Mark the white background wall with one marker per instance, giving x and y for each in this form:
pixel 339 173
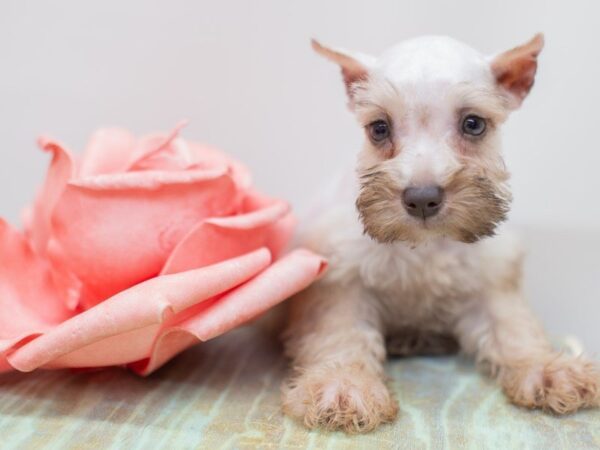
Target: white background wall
pixel 243 73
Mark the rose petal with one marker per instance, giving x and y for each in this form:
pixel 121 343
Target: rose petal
pixel 108 151
pixel 281 232
pixel 118 230
pixel 70 287
pixel 282 279
pixel 173 157
pixel 29 300
pixel 59 172
pixel 161 152
pixel 37 219
pixel 122 328
pixel 217 239
pixel 291 274
pixel 205 156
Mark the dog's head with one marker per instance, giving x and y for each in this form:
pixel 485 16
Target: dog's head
pixel 431 109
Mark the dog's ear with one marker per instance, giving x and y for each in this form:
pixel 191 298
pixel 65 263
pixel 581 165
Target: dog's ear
pixel 355 67
pixel 515 69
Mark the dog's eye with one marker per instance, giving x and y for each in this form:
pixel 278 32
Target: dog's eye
pixel 473 125
pixel 378 131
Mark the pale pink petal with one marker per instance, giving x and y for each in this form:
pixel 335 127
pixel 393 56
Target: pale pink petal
pixel 291 274
pixel 60 171
pixel 161 152
pixel 118 230
pixel 69 285
pixel 30 302
pixel 122 328
pixel 217 239
pixel 281 235
pixel 282 231
pixel 116 350
pixel 205 156
pixel 108 151
pixel 172 341
pixel 173 157
pixel 37 219
pixel 27 219
pixel 255 200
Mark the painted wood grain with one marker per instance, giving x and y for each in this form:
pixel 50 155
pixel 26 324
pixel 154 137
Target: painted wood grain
pixel 225 394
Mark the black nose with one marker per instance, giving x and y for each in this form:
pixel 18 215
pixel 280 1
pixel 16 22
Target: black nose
pixel 424 201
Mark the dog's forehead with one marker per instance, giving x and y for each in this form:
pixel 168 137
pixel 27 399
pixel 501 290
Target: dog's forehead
pixel 434 59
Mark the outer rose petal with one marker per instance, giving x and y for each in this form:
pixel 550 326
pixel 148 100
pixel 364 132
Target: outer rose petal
pixel 118 230
pixel 59 173
pixel 291 274
pixel 217 239
pixel 30 302
pixel 122 328
pixel 108 151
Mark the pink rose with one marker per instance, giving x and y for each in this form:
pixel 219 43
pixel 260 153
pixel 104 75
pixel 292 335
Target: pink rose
pixel 140 249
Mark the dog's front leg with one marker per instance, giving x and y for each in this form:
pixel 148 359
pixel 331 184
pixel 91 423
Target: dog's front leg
pixel 337 347
pixel 508 340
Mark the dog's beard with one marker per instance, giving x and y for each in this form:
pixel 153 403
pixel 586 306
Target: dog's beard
pixel 475 206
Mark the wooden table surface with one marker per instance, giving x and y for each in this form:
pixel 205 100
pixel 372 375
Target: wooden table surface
pixel 225 394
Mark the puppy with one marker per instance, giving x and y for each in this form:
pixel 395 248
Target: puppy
pixel 418 262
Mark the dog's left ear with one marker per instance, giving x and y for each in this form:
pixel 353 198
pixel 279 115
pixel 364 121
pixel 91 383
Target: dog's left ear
pixel 354 66
pixel 515 69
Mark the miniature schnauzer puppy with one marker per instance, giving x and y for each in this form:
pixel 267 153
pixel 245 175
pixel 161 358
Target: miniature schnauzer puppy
pixel 418 263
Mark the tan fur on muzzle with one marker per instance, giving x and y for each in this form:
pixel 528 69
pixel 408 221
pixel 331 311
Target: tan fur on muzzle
pixel 474 207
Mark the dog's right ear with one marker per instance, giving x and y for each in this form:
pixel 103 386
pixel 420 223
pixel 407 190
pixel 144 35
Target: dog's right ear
pixel 355 67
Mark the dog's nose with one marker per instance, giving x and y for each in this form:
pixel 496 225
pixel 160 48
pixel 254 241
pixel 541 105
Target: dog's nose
pixel 423 201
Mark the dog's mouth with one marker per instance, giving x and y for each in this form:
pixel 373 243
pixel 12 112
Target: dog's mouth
pixel 471 211
pixel 417 231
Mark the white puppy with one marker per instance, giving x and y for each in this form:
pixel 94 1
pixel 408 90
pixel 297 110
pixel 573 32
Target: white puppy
pixel 417 263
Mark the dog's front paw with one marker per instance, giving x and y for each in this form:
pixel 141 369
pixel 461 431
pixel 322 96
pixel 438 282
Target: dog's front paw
pixel 349 398
pixel 562 384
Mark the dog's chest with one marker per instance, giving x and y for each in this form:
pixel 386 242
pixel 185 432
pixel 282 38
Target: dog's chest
pixel 424 286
